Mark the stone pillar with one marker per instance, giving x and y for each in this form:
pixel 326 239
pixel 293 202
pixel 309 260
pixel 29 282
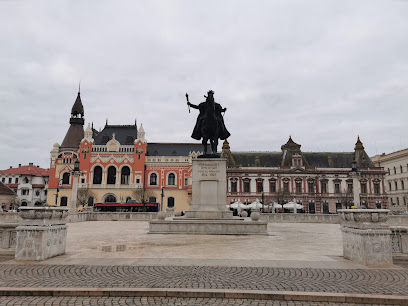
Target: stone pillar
pixel 366 236
pixel 41 233
pixel 209 189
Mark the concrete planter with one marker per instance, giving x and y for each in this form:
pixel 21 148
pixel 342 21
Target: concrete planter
pixel 41 233
pixel 366 236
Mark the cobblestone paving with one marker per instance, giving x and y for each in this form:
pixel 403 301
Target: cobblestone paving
pixel 154 301
pixel 373 281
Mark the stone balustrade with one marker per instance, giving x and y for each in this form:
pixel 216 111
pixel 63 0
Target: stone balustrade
pixel 41 233
pixel 366 236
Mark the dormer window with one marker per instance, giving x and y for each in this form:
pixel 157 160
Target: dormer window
pixel 297 161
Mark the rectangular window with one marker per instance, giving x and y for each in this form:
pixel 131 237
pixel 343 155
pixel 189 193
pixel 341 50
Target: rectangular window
pixel 3 179
pixel 324 188
pixel 286 187
pixel 25 191
pixel 311 187
pixel 364 188
pixel 405 201
pixel 377 188
pixel 298 187
pixel 389 185
pixel 16 180
pixel 84 156
pixel 272 187
pixel 185 181
pixel 233 186
pixel 9 180
pixel 396 185
pixel 82 181
pixel 397 201
pixel 259 186
pixel 402 185
pixel 137 181
pixel 350 188
pixel 337 188
pixel 246 186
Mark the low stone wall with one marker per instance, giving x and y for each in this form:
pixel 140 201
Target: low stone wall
pixel 300 218
pixel 9 217
pixel 399 220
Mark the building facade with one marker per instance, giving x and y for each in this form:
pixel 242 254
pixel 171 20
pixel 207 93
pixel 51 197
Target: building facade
pixel 322 182
pixel 118 164
pixel 30 183
pixel 395 165
pixel 7 197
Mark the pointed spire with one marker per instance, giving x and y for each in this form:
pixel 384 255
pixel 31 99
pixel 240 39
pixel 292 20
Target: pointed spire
pixel 79 87
pixel 135 122
pixel 106 122
pixel 77 108
pixel 359 144
pixel 92 125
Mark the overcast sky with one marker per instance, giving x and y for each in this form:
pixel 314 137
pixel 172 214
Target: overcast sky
pixel 321 71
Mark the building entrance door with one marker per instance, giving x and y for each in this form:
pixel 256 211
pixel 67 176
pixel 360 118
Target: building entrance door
pixel 312 208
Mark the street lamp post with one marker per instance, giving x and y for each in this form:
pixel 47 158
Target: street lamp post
pixel 162 196
pixel 74 193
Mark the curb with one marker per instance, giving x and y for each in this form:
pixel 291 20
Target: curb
pixel 208 293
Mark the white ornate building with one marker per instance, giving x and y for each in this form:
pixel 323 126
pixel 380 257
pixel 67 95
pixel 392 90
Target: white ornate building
pixel 30 183
pixel 396 177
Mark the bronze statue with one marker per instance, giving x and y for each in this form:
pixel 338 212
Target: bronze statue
pixel 210 122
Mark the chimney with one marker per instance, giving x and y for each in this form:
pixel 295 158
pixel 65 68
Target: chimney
pixel 19 165
pixel 30 164
pixel 11 167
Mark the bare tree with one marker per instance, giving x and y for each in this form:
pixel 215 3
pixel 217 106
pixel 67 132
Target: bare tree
pixel 346 198
pixel 142 195
pixel 83 196
pixel 282 197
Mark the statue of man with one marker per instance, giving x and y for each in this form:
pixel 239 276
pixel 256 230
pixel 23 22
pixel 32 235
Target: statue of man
pixel 207 107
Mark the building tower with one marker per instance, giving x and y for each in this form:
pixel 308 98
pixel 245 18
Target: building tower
pixel 76 130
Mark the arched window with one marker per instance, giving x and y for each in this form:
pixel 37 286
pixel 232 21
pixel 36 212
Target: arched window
pixel 170 202
pixel 111 175
pixel 110 199
pixel 65 178
pixel 152 199
pixel 125 174
pixel 97 176
pixel 64 201
pixel 23 203
pixel 171 179
pixel 90 201
pixel 153 179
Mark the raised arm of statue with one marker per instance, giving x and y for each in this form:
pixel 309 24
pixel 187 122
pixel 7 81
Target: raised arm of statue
pixel 192 105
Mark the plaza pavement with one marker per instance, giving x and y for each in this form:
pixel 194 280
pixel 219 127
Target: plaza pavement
pixel 295 262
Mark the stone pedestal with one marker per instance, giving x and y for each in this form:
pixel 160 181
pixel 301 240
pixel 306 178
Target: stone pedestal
pixel 209 189
pixel 41 233
pixel 366 236
pixel 208 213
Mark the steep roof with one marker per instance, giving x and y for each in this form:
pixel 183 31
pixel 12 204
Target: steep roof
pixel 257 159
pixel 176 149
pixel 73 137
pixel 329 159
pixel 27 170
pixel 4 190
pixel 125 134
